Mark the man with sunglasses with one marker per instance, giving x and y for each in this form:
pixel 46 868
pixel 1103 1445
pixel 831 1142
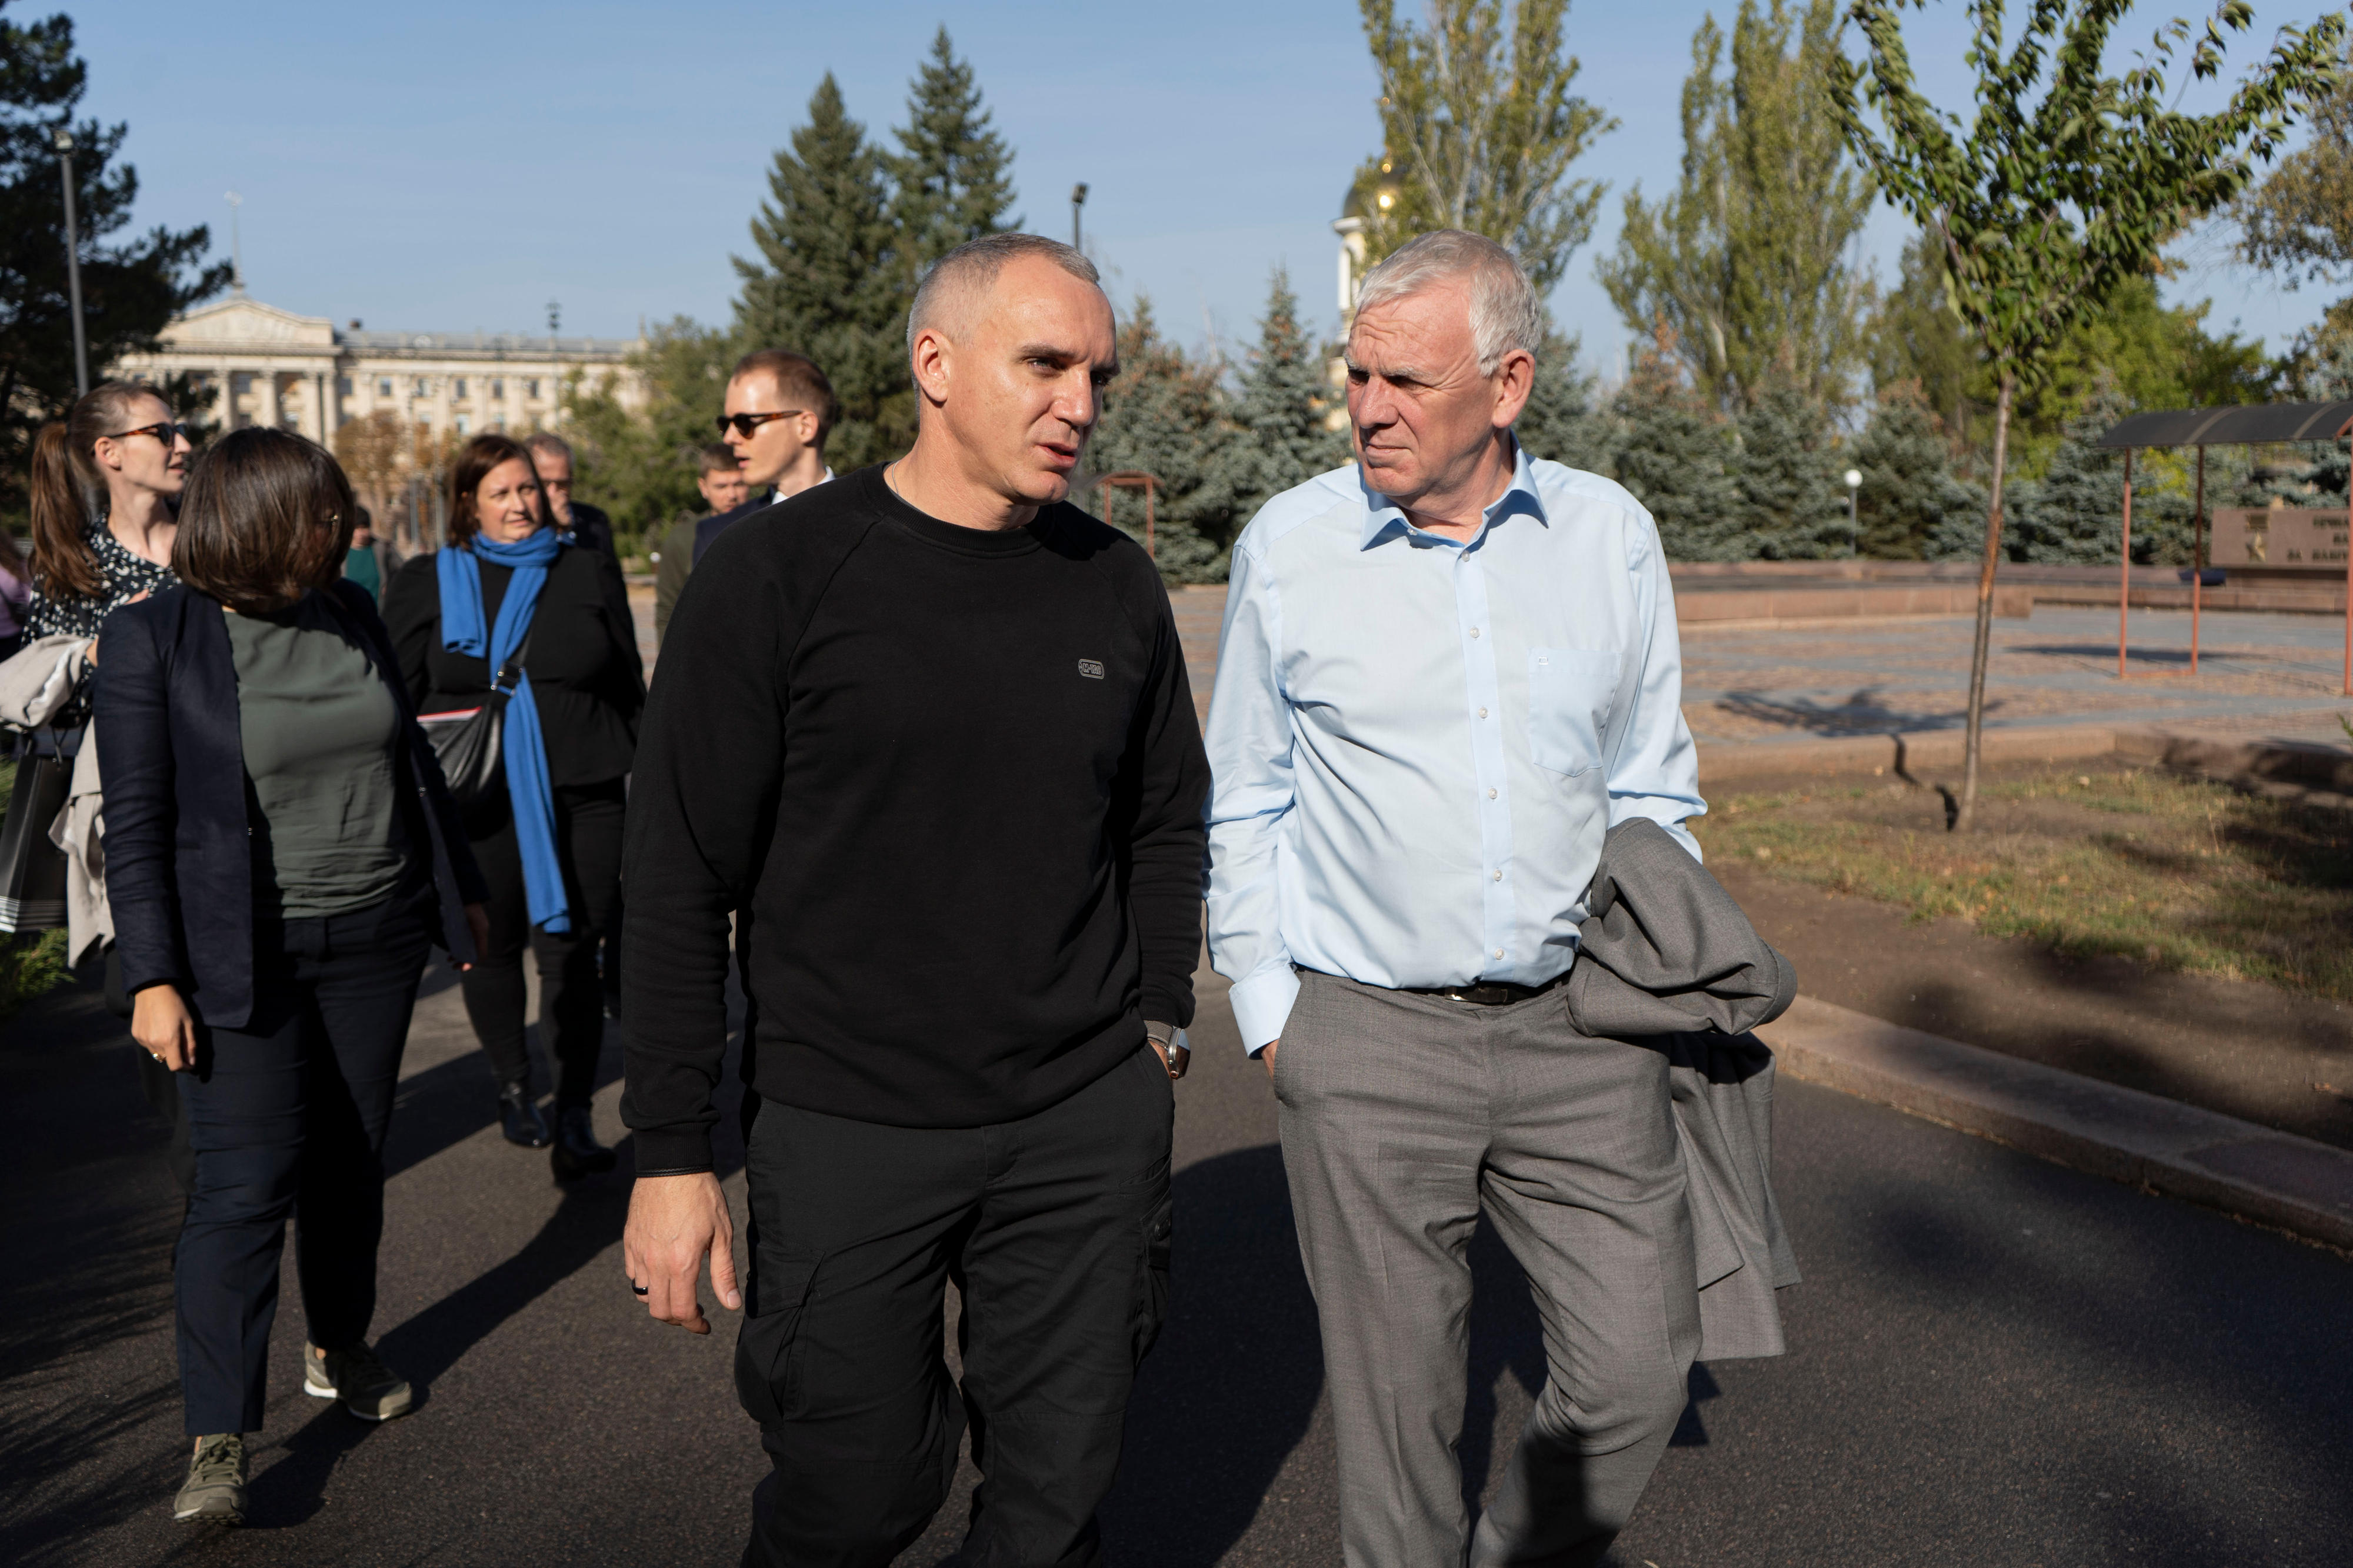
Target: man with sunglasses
pixel 778 411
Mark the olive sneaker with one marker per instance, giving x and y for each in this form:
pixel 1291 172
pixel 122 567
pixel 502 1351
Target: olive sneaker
pixel 369 1389
pixel 215 1490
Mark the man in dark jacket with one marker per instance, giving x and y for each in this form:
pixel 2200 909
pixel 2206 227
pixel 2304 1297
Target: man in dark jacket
pixel 925 732
pixel 552 456
pixel 720 483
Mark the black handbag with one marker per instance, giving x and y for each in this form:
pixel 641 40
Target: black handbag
pixel 469 741
pixel 32 868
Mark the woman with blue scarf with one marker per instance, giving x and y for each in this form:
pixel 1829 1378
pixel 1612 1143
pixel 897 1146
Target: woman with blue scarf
pixel 549 842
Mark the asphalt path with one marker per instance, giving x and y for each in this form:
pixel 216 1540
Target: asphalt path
pixel 1992 1360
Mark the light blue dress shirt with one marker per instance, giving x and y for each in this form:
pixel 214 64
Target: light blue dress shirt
pixel 1418 743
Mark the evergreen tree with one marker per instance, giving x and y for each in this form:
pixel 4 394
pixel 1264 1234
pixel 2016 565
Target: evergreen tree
pixel 640 464
pixel 831 282
pixel 1282 412
pixel 953 173
pixel 1750 260
pixel 1910 505
pixel 131 289
pixel 1793 497
pixel 1561 420
pixel 1673 452
pixel 1166 416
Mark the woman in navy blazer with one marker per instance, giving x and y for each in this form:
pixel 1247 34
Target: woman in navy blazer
pixel 278 836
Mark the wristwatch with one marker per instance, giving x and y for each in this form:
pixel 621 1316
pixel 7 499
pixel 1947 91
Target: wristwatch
pixel 1170 1040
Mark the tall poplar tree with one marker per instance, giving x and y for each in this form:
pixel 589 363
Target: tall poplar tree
pixel 1751 259
pixel 1479 130
pixel 2065 183
pixel 953 173
pixel 830 281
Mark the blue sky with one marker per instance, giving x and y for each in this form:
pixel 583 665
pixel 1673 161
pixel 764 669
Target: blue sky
pixel 438 166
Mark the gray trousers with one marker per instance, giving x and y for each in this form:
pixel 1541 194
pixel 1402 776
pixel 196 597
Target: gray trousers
pixel 1402 1116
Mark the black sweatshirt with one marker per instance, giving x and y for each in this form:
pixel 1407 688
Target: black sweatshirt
pixel 953 779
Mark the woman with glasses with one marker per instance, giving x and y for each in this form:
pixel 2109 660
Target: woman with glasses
pixel 510 587
pixel 105 503
pixel 276 828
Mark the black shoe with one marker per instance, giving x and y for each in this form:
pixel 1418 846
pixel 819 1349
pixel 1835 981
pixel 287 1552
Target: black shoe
pixel 577 1152
pixel 519 1116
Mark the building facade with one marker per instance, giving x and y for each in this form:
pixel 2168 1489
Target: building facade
pixel 269 366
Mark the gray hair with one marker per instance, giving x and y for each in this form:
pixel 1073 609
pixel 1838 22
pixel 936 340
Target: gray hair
pixel 1505 313
pixel 973 266
pixel 547 444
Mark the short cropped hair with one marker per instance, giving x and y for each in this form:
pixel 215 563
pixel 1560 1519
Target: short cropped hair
pixel 974 266
pixel 1505 313
pixel 469 468
pixel 799 378
pixel 549 444
pixel 266 517
pixel 716 457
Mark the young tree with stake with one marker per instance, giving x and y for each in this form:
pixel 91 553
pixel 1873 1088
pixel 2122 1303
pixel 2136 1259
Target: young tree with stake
pixel 2068 181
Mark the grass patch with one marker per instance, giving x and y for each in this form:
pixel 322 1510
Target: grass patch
pixel 2174 873
pixel 30 962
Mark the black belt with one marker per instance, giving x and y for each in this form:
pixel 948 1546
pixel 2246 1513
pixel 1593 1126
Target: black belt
pixel 1487 993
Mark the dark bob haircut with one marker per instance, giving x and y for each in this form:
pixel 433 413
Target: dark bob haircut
pixel 469 468
pixel 266 517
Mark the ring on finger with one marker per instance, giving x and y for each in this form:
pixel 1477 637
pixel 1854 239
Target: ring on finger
pixel 641 1290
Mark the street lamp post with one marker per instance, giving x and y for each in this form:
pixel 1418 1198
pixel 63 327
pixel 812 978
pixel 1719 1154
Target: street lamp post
pixel 1854 519
pixel 63 144
pixel 1078 200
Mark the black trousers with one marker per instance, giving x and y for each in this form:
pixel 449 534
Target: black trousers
pixel 571 996
pixel 287 1115
pixel 1055 1229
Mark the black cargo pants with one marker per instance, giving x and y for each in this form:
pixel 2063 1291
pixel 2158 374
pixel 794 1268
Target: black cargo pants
pixel 1055 1229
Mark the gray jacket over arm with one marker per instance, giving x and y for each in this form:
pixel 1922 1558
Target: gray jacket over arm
pixel 1666 960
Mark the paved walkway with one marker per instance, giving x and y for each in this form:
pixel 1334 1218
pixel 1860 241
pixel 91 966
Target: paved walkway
pixel 2278 674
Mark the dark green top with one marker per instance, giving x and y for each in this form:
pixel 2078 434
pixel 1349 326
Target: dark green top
pixel 360 566
pixel 318 724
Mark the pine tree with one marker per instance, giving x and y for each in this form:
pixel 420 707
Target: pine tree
pixel 830 281
pixel 130 290
pixel 1281 411
pixel 1166 416
pixel 1674 454
pixel 953 171
pixel 1792 499
pixel 1910 502
pixel 1561 421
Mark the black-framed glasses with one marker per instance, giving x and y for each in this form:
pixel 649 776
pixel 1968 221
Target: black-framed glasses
pixel 744 424
pixel 165 432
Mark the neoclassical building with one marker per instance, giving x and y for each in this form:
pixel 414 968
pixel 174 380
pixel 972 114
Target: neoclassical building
pixel 307 374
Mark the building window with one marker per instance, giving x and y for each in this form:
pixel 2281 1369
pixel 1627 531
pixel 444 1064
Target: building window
pixel 465 426
pixel 343 387
pixel 498 389
pixel 424 386
pixel 383 387
pixel 458 387
pixel 530 388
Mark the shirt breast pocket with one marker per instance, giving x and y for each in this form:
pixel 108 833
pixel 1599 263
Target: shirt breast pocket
pixel 1570 693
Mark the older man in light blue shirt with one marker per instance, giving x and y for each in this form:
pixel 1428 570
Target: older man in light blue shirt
pixel 1446 672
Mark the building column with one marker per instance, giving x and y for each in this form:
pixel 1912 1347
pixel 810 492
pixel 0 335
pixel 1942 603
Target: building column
pixel 226 409
pixel 326 431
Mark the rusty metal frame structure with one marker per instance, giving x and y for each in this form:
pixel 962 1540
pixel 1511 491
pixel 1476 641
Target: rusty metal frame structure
pixel 1134 479
pixel 2261 423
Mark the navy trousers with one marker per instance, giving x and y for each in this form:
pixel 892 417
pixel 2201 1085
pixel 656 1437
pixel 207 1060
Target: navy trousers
pixel 286 1117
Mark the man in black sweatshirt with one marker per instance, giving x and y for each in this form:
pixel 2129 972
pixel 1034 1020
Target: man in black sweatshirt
pixel 925 731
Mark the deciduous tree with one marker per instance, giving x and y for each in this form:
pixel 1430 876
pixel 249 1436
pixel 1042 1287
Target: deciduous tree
pixel 2066 182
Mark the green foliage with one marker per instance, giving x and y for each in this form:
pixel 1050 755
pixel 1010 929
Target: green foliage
pixel 1911 506
pixel 1281 411
pixel 1674 452
pixel 2299 222
pixel 130 287
pixel 1167 416
pixel 1561 421
pixel 1479 132
pixel 1751 259
pixel 830 283
pixel 640 465
pixel 953 173
pixel 1792 494
pixel 1917 339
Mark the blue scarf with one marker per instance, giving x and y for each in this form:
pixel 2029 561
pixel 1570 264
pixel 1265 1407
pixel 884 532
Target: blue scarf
pixel 522 746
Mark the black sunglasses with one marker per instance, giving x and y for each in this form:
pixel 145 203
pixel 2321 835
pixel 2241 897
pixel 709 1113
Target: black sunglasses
pixel 163 432
pixel 744 424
